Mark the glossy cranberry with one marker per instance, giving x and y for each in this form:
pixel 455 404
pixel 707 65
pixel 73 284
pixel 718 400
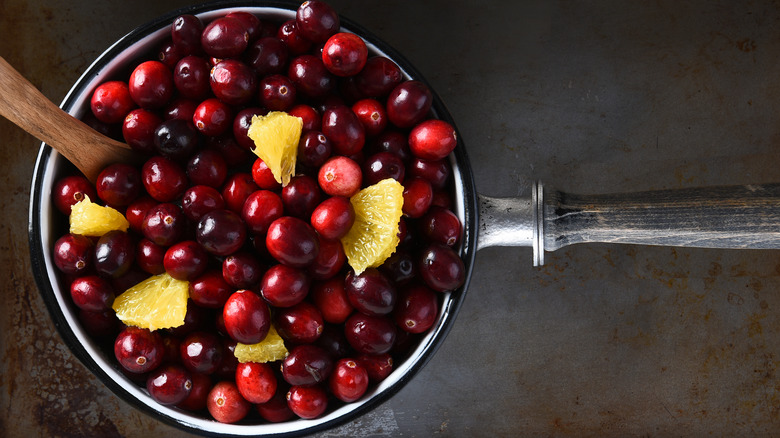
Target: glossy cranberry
pixel 330 260
pixel 150 256
pixel 307 402
pixel 432 139
pixel 114 253
pixel 241 124
pixel 164 224
pixel 340 176
pixel 372 115
pixel 330 297
pixel 163 179
pixel 292 37
pixel 252 24
pixel 417 308
pixel 333 217
pixel 176 139
pixel 379 77
pixel 312 120
pixel 169 385
pixel 349 380
pixel 276 410
pixel 169 53
pixel 400 267
pixel 392 141
pixel 301 196
pixel 207 167
pixel 370 334
pixel 247 317
pixel 344 54
pixel 408 104
pixel 310 76
pixel 102 325
pixel 436 172
pixel 111 101
pixel 221 232
pixel 185 260
pixel 213 117
pixel 196 400
pixel 441 268
pixel 210 290
pixel 284 286
pixel 226 404
pixel 440 225
pixel 225 37
pixel 267 56
pixel 237 189
pixel 180 108
pixel 136 211
pixel 186 31
pixel 233 82
pixel 306 364
pixel 191 77
pixel 119 184
pixel 277 92
pixel 370 292
pixel 138 129
pixel 299 324
pixel 379 366
pixel 139 350
pixel 263 177
pixel 201 352
pixel 418 196
pixel 256 381
pixel 292 242
pixel 317 20
pixel 151 85
pixel 260 209
pixel 383 165
pixel 242 270
pixel 92 293
pixel 344 130
pixel 313 149
pixel 225 144
pixel 70 190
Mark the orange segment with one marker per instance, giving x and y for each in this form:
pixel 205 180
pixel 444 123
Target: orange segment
pixel 268 350
pixel 276 136
pixel 158 302
pixel 90 219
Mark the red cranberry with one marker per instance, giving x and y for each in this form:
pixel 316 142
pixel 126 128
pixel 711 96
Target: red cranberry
pixel 340 176
pixel 345 54
pixel 267 55
pixel 92 293
pixel 138 129
pixel 284 286
pixel 299 324
pixel 237 190
pixel 417 308
pixel 436 172
pixel 114 254
pixel 169 385
pixel 330 259
pixel 163 179
pixel 247 317
pixel 312 120
pixel 313 149
pixel 349 380
pixel 277 92
pixel 260 209
pixel 370 334
pixel 199 200
pixel 191 77
pixel 241 124
pixel 212 117
pixel 409 103
pixel 253 25
pixel 164 224
pixel 73 254
pixel 119 184
pixel 441 225
pixel 372 115
pixel 169 54
pixel 310 76
pixel 344 130
pixel 307 402
pixel 263 177
pixel 137 210
pixel 201 352
pixel 306 364
pixel 317 20
pixel 185 260
pixel 441 268
pixel 70 190
pixel 180 109
pixel 242 270
pixel 151 84
pixel 418 196
pixel 210 290
pixel 370 292
pixel 383 165
pixel 333 217
pixel 186 32
pixel 226 404
pixel 292 241
pixel 221 232
pixel 256 382
pixel 225 37
pixel 432 139
pixel 233 82
pixel 150 256
pixel 301 196
pixel 276 410
pixel 139 350
pixel 330 296
pixel 379 77
pixel 111 102
pixel 196 400
pixel 292 37
pixel 379 366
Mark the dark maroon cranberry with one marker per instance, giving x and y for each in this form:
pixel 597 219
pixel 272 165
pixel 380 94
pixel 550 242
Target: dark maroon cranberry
pixel 292 241
pixel 306 364
pixel 330 296
pixel 370 292
pixel 317 20
pixel 191 77
pixel 132 277
pixel 372 115
pixel 344 130
pixel 181 109
pixel 170 384
pixel 277 92
pixel 310 76
pixel 225 37
pixel 227 369
pixel 196 401
pixel 233 82
pixel 334 342
pixel 330 259
pixel 263 177
pixel 221 232
pixel 379 77
pixel 394 142
pixel 138 130
pixel 441 268
pixel 186 32
pixel 242 270
pixel 227 145
pixel 440 225
pixel 379 366
pixel 197 318
pixel 149 256
pixel 92 293
pixel 383 165
pixel 345 54
pixel 370 334
pixel 213 117
pixel 253 25
pixel 260 209
pixel 199 200
pixel 176 139
pixel 102 325
pixel 185 260
pixel 399 267
pixel 225 403
pixel 114 253
pixel 307 402
pixel 70 190
pixel 349 380
pixel 241 124
pixel 312 120
pixel 207 167
pixel 169 54
pixel 301 196
pixel 256 381
pixel 417 308
pixel 266 56
pixel 418 196
pixel 201 352
pixel 119 184
pixel 333 217
pixel 299 324
pixel 151 84
pixel 276 410
pixel 164 224
pixel 284 286
pixel 237 190
pixel 210 290
pixel 139 350
pixel 408 104
pixel 313 149
pixel 247 317
pixel 291 35
pixel 163 179
pixel 436 172
pixel 111 102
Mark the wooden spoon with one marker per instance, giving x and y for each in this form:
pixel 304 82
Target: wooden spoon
pixel 28 108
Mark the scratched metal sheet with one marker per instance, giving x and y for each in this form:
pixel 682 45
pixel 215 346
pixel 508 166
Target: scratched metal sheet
pixel 590 97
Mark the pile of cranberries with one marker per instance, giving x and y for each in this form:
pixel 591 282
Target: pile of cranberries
pixel 204 209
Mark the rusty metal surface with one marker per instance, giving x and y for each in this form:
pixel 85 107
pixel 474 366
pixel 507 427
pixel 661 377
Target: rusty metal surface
pixel 588 97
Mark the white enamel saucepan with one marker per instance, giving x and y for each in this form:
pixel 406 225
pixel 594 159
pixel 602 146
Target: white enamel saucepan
pixel 722 217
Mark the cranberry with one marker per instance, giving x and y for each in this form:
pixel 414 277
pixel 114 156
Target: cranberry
pixel 313 149
pixel 276 410
pixel 418 196
pixel 383 165
pixel 114 253
pixel 199 200
pixel 277 92
pixel 233 82
pixel 71 190
pixel 226 144
pixel 432 139
pixel 417 308
pixel 176 139
pixel 260 209
pixel 164 224
pixel 196 400
pixel 247 317
pixel 237 190
pixel 267 55
pixel 340 176
pixel 73 254
pixel 263 177
pixel 111 101
pixel 256 382
pixel 436 172
pixel 344 130
pixel 307 402
pixel 317 20
pixel 210 290
pixel 441 268
pixel 191 77
pixel 137 210
pixel 201 352
pixel 306 364
pixel 163 179
pixel 119 184
pixel 379 77
pixel 370 334
pixel 349 380
pixel 241 124
pixel 185 260
pixel 92 293
pixel 334 342
pixel 345 54
pixel 242 270
pixel 379 366
pixel 169 54
pixel 299 324
pixel 186 32
pixel 226 404
pixel 139 350
pixel 333 217
pixel 370 292
pixel 394 142
pixel 301 196
pixel 151 84
pixel 399 267
pixel 102 325
pixel 212 117
pixel 150 256
pixel 252 24
pixel 409 103
pixel 330 259
pixel 169 385
pixel 372 115
pixel 330 297
pixel 284 286
pixel 229 365
pixel 138 130
pixel 197 318
pixel 225 37
pixel 181 109
pixel 221 232
pixel 292 37
pixel 441 225
pixel 312 120
pixel 292 241
pixel 310 76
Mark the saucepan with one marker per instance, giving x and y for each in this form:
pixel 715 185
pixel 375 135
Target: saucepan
pixel 741 217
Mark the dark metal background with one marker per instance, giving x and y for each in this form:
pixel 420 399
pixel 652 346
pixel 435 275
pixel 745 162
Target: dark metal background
pixel 588 97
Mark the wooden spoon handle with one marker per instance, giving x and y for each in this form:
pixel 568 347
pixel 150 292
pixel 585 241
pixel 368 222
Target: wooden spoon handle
pixel 28 108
